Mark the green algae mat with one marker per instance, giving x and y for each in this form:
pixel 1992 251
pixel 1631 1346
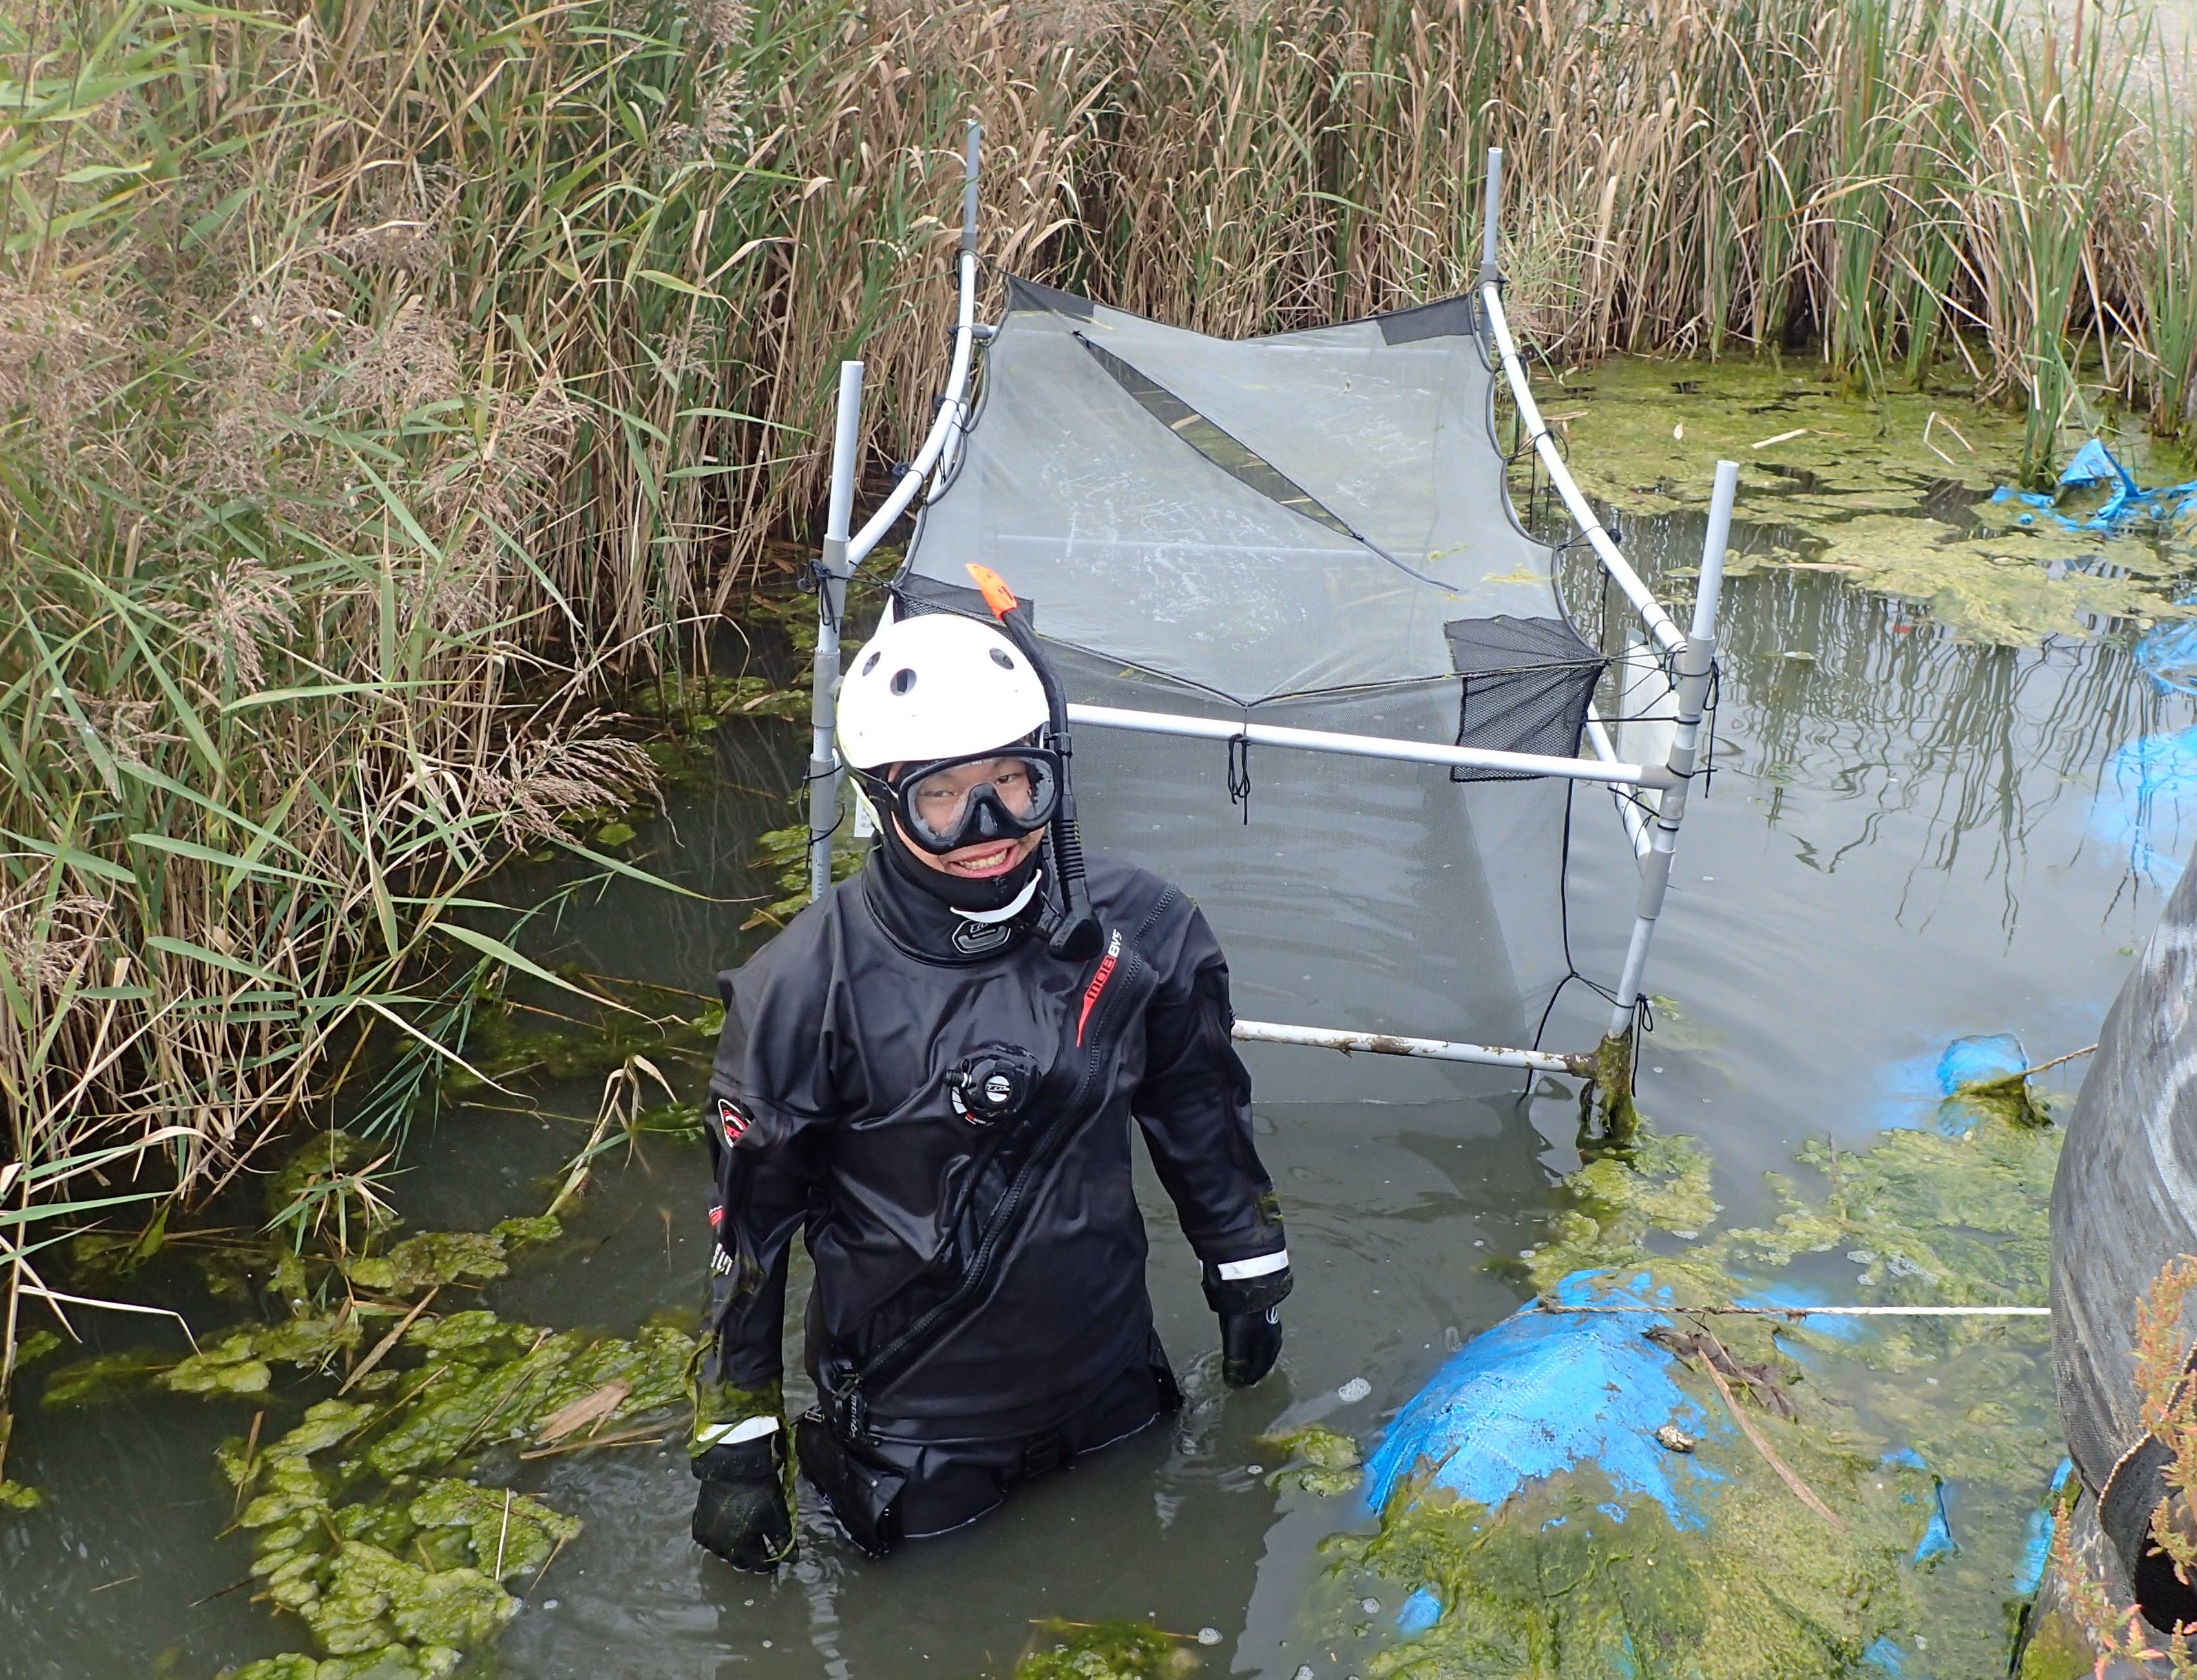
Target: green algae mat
pixel 1855 1499
pixel 377 1518
pixel 1892 492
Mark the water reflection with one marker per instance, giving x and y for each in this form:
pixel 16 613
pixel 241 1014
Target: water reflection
pixel 1986 751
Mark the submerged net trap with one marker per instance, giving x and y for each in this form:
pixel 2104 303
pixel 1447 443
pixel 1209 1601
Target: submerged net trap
pixel 1309 531
pixel 1322 678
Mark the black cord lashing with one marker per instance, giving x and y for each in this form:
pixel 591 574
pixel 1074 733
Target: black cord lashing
pixel 1707 762
pixel 1239 775
pixel 812 579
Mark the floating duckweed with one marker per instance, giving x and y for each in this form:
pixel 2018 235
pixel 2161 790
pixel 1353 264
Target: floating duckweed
pixel 1116 1650
pixel 1676 1027
pixel 17 1495
pixel 1843 480
pixel 393 1662
pixel 1565 1580
pixel 35 1347
pixel 475 1337
pixel 2057 1650
pixel 325 1423
pixel 1951 1220
pixel 322 1184
pixel 785 853
pixel 1330 1462
pixel 1613 1205
pixel 522 1533
pixel 498 1046
pixel 1567 1576
pixel 288 1666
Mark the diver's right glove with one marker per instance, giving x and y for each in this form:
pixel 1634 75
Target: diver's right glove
pixel 1249 1308
pixel 741 1513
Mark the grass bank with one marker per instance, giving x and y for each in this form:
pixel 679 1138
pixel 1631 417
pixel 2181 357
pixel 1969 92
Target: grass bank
pixel 384 381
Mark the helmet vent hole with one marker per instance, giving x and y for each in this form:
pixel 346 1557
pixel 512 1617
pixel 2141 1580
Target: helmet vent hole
pixel 871 664
pixel 1000 659
pixel 902 681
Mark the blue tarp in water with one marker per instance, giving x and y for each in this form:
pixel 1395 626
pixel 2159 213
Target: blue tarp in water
pixel 1542 1391
pixel 2146 802
pixel 2167 654
pixel 1917 1088
pixel 2093 464
pixel 2036 1542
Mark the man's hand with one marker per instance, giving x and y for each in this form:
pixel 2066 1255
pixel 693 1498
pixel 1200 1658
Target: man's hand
pixel 741 1513
pixel 1249 1343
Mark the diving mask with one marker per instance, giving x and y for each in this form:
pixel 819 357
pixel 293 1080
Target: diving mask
pixel 952 803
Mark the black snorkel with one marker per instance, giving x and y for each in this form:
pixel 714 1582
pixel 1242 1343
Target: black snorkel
pixel 1074 934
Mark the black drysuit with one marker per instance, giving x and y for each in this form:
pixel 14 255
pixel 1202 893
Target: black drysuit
pixel 942 1109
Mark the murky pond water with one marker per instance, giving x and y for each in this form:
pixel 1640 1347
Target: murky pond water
pixel 1911 838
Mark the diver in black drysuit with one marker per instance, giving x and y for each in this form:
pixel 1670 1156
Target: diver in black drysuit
pixel 942 1109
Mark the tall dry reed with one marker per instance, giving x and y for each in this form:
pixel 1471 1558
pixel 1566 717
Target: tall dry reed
pixel 382 377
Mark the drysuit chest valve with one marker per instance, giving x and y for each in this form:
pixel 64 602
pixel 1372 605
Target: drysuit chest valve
pixel 991 1085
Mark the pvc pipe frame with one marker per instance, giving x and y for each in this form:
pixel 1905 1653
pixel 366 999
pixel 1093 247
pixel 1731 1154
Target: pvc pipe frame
pixel 1374 746
pixel 1390 1044
pixel 1653 842
pixel 843 553
pixel 1696 653
pixel 831 606
pixel 1696 665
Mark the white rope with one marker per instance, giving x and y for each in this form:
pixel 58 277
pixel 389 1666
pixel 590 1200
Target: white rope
pixel 1814 1311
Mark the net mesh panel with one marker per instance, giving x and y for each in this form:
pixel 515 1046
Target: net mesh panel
pixel 1528 684
pixel 1289 529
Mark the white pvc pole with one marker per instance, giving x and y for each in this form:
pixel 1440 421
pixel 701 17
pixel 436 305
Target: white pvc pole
pixel 831 606
pixel 1371 746
pixel 1695 665
pixel 1620 570
pixel 1489 269
pixel 954 411
pixel 1628 812
pixel 1391 1044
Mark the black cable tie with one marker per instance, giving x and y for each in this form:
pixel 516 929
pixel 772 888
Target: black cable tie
pixel 1239 775
pixel 812 579
pixel 1708 755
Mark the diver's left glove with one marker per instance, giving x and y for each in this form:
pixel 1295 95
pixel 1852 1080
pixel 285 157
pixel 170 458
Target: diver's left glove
pixel 741 1513
pixel 1247 1295
pixel 1250 1343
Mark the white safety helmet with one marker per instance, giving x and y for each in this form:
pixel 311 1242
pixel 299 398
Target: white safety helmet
pixel 935 685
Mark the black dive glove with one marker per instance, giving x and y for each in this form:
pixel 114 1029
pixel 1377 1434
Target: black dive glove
pixel 1250 1322
pixel 741 1513
pixel 1249 1344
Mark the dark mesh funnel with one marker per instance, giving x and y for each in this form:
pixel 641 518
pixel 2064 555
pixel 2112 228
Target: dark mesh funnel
pixel 1528 684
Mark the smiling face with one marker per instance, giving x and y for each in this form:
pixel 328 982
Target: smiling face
pixel 939 801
